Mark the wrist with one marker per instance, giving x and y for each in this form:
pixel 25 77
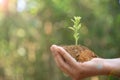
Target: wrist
pixel 107 69
pixel 112 65
pixel 103 66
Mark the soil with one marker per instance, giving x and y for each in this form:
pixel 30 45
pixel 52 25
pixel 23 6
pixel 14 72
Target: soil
pixel 80 53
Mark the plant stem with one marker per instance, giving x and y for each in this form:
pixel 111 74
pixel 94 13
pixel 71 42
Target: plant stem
pixel 76 28
pixel 76 41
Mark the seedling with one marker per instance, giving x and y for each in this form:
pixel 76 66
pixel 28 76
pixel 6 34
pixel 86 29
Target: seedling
pixel 76 28
pixel 79 52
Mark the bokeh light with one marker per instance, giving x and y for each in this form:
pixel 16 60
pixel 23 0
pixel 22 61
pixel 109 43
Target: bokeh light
pixel 29 27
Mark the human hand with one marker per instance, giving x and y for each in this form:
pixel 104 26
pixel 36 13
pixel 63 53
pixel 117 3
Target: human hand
pixel 77 70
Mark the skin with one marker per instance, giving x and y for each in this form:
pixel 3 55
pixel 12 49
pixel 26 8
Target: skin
pixel 77 70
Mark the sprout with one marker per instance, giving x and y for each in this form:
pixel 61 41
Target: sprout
pixel 76 27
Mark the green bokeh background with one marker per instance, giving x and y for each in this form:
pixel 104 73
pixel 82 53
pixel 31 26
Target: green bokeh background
pixel 26 36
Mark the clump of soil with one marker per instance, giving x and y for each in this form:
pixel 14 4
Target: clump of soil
pixel 80 53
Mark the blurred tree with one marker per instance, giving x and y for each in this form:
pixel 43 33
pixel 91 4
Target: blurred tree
pixel 26 35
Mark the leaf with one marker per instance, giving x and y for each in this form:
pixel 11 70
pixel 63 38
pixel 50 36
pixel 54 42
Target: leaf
pixel 79 26
pixel 71 28
pixel 72 20
pixel 74 26
pixel 76 35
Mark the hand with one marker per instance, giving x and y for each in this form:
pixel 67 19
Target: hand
pixel 77 70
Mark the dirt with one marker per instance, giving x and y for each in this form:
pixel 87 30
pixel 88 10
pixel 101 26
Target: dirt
pixel 80 53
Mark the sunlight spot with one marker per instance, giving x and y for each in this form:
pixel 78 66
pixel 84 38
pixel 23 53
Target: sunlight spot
pixel 21 51
pixel 21 5
pixel 1 1
pixel 21 33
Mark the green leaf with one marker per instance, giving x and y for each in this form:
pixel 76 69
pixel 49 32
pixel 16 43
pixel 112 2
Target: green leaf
pixel 72 20
pixel 71 28
pixel 79 26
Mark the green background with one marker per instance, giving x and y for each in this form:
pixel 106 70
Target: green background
pixel 26 36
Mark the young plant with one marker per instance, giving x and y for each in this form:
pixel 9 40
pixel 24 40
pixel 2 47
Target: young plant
pixel 76 27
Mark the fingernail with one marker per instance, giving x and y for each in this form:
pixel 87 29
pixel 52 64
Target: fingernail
pixel 53 47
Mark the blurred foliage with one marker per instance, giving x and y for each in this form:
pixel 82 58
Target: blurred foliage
pixel 26 35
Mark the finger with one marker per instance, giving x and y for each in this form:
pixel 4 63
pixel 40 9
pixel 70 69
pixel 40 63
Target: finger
pixel 62 64
pixel 54 49
pixel 60 60
pixel 69 59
